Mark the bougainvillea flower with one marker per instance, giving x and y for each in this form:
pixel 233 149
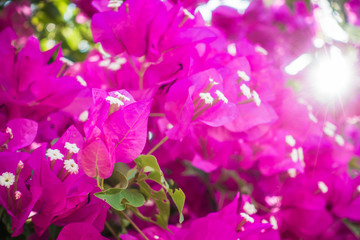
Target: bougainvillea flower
pixel 80 230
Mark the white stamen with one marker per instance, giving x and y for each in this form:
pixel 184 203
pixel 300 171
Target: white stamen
pixel 221 96
pixel 81 80
pixel 231 49
pixel 264 221
pixel 72 147
pixel 261 50
pixel 84 116
pixel 71 166
pixel 322 186
pixel 114 66
pixel 273 222
pixel 256 98
pixel 243 75
pixel 7 179
pixel 188 14
pixel 122 97
pixel 114 4
pixel 292 172
pixel 156 237
pixel 113 100
pixel 17 195
pixel 294 155
pixel 290 140
pixel 54 154
pixel 339 140
pixel 67 61
pixel 249 208
pixel 206 97
pixel 312 117
pixel 247 217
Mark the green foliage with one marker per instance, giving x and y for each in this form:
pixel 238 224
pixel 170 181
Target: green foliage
pixel 145 182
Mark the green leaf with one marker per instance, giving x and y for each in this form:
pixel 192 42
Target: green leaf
pixel 352 226
pixel 119 198
pixel 121 180
pixel 178 197
pixel 148 164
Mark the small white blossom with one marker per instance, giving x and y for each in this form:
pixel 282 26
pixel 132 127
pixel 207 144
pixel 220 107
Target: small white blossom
pixel 7 179
pixel 54 154
pixel 156 237
pixel 114 66
pixel 94 58
pixel 17 195
pixel 81 80
pixel 221 96
pixel 294 155
pixel 245 90
pixel 322 186
pixel 290 140
pixel 20 165
pixel 188 14
pixel 114 3
pixel 9 131
pixel 292 172
pixel 243 75
pixel 213 82
pixel 256 98
pixel 301 154
pixel 105 63
pixel 72 147
pixel 312 117
pixel 207 98
pixel 71 166
pixel 249 208
pixel 330 126
pixel 231 49
pixel 247 217
pixel 84 116
pixel 273 200
pixel 113 100
pixel 67 61
pixel 123 97
pixel 328 131
pixel 339 140
pixel 261 50
pixel 274 222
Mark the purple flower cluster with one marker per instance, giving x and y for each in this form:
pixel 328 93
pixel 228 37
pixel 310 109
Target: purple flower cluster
pixel 210 101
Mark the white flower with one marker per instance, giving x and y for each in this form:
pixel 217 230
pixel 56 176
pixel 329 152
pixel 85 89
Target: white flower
pixel 292 172
pixel 256 98
pixel 156 237
pixel 105 63
pixel 312 117
pixel 71 166
pixel 247 217
pixel 72 147
pixel 20 165
pixel 17 195
pixel 339 140
pixel 274 222
pixel 294 155
pixel 113 100
pixel 322 186
pixel 66 61
pixel 290 140
pixel 261 50
pixel 213 82
pixel 7 179
pixel 358 188
pixel 328 131
pixel 330 126
pixel 221 96
pixel 54 154
pixel 245 90
pixel 81 80
pixel 188 14
pixel 114 3
pixel 114 66
pixel 243 75
pixel 122 97
pixel 84 116
pixel 207 98
pixel 249 208
pixel 301 154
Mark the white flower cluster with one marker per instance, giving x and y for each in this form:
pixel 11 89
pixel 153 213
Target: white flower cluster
pixel 54 154
pixel 7 179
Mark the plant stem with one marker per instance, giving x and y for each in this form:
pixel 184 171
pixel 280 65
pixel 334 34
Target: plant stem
pixel 134 225
pixel 112 230
pixel 158 145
